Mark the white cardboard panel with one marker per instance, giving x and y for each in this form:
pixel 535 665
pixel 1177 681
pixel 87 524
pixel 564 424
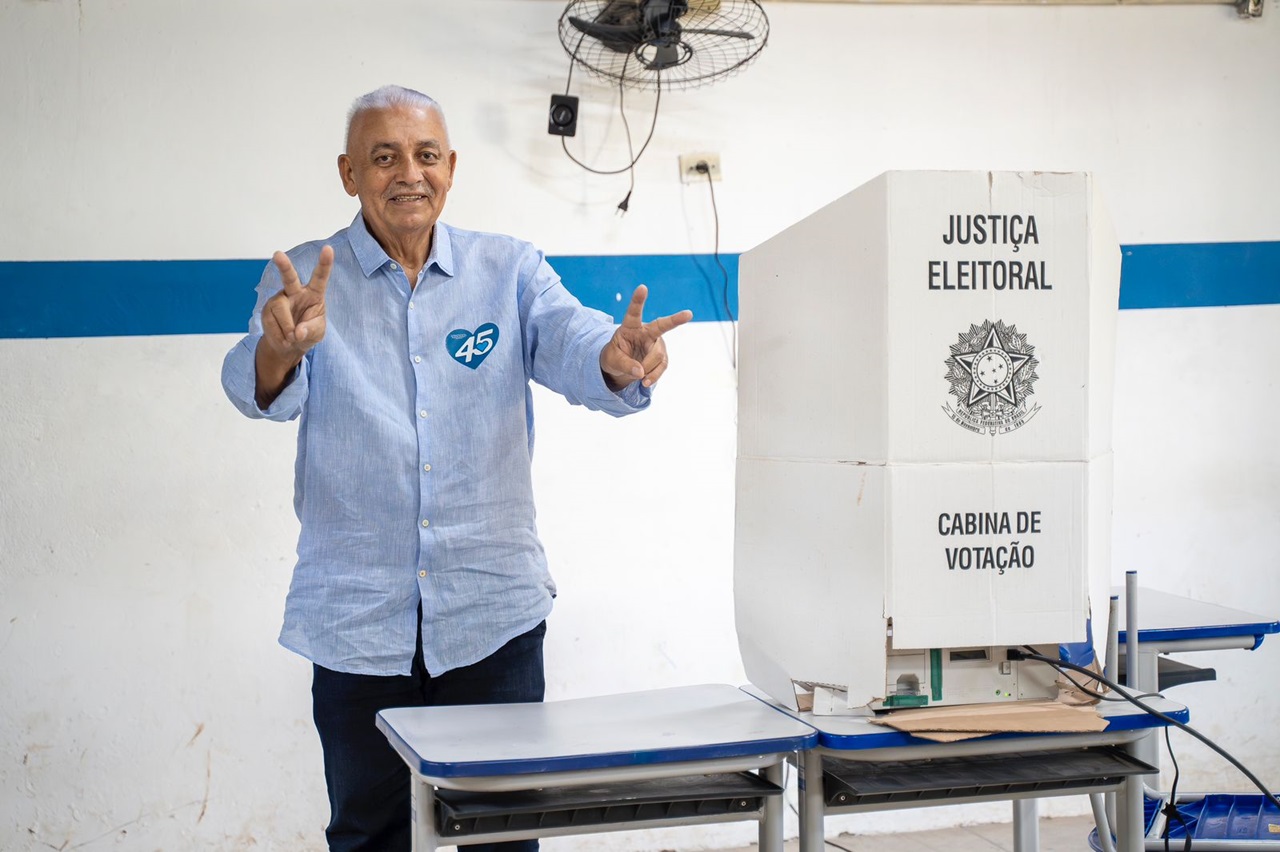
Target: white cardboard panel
pixel 812 363
pixel 854 348
pixel 961 537
pixel 863 425
pixel 1042 332
pixel 824 551
pixel 809 557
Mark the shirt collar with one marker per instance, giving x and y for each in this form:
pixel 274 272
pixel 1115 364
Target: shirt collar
pixel 442 249
pixel 372 257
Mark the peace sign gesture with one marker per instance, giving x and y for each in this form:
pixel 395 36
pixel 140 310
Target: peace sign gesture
pixel 293 322
pixel 293 319
pixel 636 350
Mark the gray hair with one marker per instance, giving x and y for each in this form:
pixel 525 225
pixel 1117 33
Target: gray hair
pixel 388 97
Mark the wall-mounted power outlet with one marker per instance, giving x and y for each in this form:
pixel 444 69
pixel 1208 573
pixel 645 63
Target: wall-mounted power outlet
pixel 689 171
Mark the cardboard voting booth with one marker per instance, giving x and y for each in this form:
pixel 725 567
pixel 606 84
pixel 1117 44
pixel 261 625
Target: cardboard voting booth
pixel 924 438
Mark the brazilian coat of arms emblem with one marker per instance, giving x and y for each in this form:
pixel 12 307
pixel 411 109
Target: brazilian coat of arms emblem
pixel 992 373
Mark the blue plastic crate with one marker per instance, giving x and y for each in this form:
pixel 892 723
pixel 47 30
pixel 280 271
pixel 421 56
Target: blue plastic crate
pixel 1224 816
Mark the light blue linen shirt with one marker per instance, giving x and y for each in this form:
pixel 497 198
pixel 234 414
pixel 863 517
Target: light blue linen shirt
pixel 412 480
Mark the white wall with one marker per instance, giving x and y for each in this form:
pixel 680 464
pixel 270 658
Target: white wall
pixel 147 534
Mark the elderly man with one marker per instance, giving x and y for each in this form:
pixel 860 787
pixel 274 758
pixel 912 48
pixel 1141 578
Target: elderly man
pixel 408 354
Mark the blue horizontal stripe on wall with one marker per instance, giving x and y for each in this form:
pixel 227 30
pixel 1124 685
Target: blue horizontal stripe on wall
pixel 1198 275
pixel 90 298
pixel 676 283
pixel 99 298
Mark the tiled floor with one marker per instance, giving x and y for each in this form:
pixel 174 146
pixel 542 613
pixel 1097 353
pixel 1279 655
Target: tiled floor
pixel 1065 834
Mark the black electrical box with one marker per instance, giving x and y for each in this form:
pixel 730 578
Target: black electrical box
pixel 562 120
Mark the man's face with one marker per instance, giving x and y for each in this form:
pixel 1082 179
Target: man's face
pixel 399 164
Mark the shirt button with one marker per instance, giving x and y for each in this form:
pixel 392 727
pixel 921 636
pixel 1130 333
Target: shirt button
pixel 394 266
pixel 426 467
pixel 422 573
pixel 425 522
pixel 422 413
pixel 417 359
pixel 411 306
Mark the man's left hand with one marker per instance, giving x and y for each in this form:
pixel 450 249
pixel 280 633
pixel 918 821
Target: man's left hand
pixel 636 351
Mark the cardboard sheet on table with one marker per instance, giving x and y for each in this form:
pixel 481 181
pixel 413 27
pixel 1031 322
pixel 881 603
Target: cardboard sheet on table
pixel 978 719
pixel 950 736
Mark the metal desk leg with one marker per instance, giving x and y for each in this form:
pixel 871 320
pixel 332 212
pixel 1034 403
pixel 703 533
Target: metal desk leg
pixel 1129 826
pixel 1112 819
pixel 423 801
pixel 1142 676
pixel 1147 747
pixel 1148 669
pixel 771 825
pixel 1026 825
pixel 1102 821
pixel 1106 818
pixel 812 833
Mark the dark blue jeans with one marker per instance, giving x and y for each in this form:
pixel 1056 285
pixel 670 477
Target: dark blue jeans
pixel 368 782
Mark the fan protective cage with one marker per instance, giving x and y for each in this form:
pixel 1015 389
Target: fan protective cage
pixel 715 40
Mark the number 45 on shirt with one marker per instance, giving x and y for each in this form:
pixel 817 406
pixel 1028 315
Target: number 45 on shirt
pixel 470 348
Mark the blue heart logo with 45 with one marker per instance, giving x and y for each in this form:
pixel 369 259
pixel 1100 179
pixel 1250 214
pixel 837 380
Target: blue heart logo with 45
pixel 470 348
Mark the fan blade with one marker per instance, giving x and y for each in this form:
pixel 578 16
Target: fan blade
pixel 613 36
pixel 725 33
pixel 611 32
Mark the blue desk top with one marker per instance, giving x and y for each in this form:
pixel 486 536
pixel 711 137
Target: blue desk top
pixel 1172 618
pixel 705 722
pixel 855 733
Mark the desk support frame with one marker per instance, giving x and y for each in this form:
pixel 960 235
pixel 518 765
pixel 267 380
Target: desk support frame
pixel 813 808
pixel 428 836
pixel 622 743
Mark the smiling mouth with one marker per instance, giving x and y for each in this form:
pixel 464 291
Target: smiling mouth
pixel 408 198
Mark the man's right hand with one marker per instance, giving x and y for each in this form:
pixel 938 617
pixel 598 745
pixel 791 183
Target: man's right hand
pixel 292 322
